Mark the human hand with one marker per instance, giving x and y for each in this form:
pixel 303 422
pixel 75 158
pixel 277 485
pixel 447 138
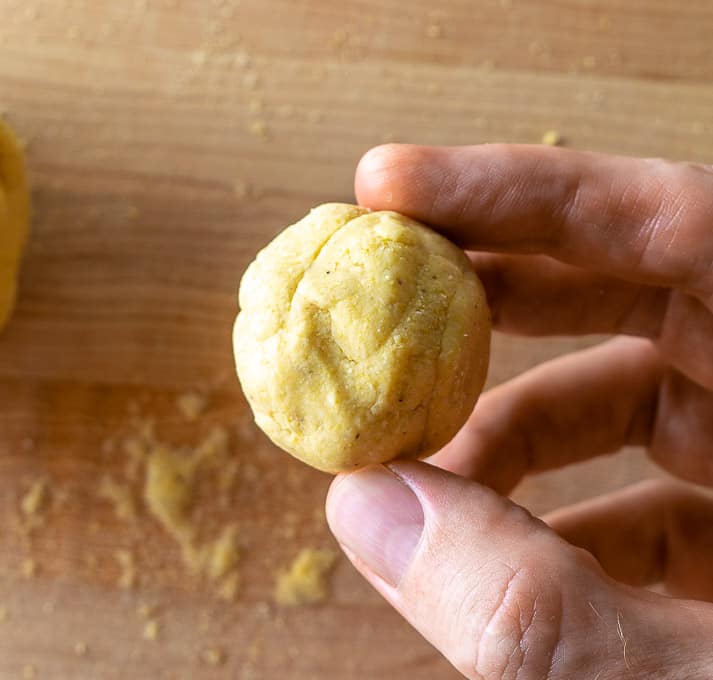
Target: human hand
pixel 568 243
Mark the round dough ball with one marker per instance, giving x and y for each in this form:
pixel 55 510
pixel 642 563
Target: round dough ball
pixel 14 217
pixel 362 337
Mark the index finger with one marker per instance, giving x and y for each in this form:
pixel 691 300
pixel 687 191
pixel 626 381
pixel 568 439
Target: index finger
pixel 645 220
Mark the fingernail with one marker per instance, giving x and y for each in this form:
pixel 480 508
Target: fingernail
pixel 378 518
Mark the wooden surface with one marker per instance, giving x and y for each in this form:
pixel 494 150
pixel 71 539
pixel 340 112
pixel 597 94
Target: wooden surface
pixel 167 141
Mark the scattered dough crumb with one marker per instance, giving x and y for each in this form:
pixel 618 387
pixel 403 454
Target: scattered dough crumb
pixel 34 502
pixel 151 630
pixel 29 568
pixel 191 405
pixel 228 590
pixel 255 649
pixel 223 555
pixel 227 478
pixel 28 671
pixel 171 476
pixel 214 446
pixel 259 129
pixel 339 37
pixel 3 614
pixel 199 57
pixel 242 59
pixel 168 491
pixel 213 656
pixel 305 581
pixel 81 649
pixel 146 610
pixel 120 496
pixel 135 450
pixel 127 575
pixel 552 138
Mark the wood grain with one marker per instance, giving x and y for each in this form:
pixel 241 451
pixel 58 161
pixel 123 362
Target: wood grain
pixel 167 141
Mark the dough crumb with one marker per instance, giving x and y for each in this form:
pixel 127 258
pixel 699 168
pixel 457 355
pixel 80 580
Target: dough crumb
pixel 552 138
pixel 34 502
pixel 259 128
pixel 152 630
pixel 172 476
pixel 242 59
pixel 146 610
pixel 120 496
pixel 80 649
pixel 230 587
pixel 4 615
pixel 127 575
pixel 224 553
pixel 199 57
pixel 28 568
pixel 226 482
pixel 28 671
pixel 213 656
pixel 191 405
pixel 305 582
pixel 255 649
pixel 168 491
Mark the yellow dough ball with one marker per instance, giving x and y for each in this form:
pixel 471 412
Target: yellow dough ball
pixel 362 337
pixel 14 217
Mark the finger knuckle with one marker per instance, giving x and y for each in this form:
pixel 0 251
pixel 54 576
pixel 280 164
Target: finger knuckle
pixel 680 222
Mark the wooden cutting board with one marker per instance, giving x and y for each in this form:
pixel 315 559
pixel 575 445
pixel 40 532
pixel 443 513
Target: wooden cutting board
pixel 167 141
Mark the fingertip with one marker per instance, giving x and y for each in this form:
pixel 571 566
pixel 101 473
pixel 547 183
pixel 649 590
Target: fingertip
pixel 333 494
pixel 388 176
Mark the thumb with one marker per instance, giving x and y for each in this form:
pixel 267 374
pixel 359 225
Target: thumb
pixel 496 590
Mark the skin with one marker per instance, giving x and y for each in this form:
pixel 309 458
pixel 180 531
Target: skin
pixel 566 243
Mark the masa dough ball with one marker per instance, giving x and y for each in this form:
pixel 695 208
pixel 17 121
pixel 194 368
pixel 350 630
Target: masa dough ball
pixel 14 217
pixel 362 337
